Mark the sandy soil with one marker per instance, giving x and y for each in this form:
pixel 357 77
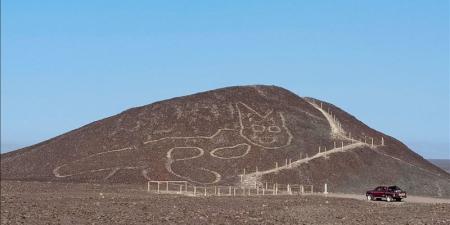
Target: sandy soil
pixel 59 203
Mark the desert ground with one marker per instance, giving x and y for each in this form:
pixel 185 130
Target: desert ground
pixel 67 203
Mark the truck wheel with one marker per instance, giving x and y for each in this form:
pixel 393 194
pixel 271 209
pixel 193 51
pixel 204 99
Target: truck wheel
pixel 388 198
pixel 399 199
pixel 369 198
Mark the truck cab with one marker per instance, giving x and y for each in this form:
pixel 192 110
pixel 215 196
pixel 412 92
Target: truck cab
pixel 389 193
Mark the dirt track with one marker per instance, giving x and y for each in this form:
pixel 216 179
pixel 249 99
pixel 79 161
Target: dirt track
pixel 57 203
pixel 409 199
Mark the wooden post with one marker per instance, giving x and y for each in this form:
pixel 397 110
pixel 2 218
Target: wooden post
pixel 325 188
pixel 244 171
pixel 266 185
pixel 167 186
pixel 319 149
pixel 276 165
pixel 302 189
pixel 234 191
pixel 148 186
pixel 372 142
pixel 342 145
pixel 205 190
pixel 195 190
pixel 276 188
pixel 334 144
pixel 312 189
pixel 229 190
pixel 382 141
pixel 218 191
pixel 158 187
pixel 263 190
pixel 181 189
pixel 273 190
pixel 257 190
pixel 286 162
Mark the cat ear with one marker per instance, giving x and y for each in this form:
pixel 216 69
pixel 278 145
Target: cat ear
pixel 246 114
pixel 275 118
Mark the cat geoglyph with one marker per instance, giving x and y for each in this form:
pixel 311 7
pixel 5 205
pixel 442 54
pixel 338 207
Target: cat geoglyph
pixel 191 155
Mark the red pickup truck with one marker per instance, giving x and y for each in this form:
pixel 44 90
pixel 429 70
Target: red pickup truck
pixel 389 193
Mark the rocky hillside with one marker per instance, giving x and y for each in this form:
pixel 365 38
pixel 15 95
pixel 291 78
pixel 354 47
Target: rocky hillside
pixel 234 136
pixel 441 163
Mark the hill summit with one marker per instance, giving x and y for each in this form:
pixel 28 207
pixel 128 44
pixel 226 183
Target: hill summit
pixel 231 136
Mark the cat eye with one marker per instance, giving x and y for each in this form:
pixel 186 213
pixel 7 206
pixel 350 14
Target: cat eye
pixel 258 128
pixel 274 129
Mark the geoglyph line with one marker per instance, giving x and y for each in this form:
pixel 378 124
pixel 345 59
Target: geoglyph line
pixel 246 142
pixel 57 173
pixel 191 137
pixel 251 178
pixel 247 150
pixel 212 153
pixel 283 124
pixel 170 160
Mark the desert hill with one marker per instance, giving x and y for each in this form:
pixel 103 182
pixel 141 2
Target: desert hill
pixel 230 136
pixel 441 163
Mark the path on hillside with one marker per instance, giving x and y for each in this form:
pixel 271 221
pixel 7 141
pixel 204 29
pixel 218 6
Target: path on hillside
pixel 337 132
pixel 336 128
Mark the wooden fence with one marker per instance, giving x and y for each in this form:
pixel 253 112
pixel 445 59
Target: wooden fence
pixel 183 187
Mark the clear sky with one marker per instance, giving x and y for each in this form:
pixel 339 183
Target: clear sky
pixel 67 63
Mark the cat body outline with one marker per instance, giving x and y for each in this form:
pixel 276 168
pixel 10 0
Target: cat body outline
pixel 256 131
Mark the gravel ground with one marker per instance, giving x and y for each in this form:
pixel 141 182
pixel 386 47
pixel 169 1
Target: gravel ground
pixel 59 203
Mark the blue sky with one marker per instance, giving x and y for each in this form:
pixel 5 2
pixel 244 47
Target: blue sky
pixel 67 63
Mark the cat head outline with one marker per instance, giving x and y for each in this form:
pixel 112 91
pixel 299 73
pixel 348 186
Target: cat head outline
pixel 268 131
